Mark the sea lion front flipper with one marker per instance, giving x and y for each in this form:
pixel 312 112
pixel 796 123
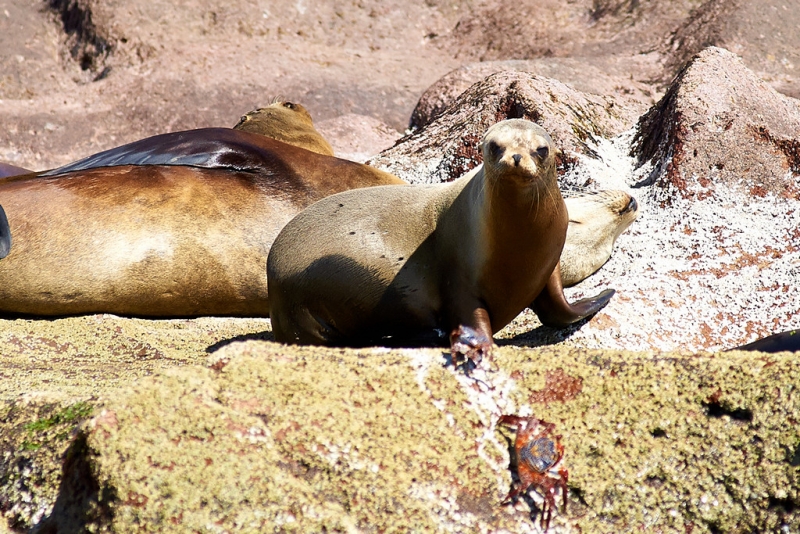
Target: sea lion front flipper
pixel 553 309
pixel 469 343
pixel 471 338
pixel 5 234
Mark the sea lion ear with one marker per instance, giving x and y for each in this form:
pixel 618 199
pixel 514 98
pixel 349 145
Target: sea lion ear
pixel 5 234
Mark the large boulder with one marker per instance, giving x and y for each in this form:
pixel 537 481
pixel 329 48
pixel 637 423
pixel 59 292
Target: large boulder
pixel 764 34
pixel 267 437
pixel 712 261
pixel 719 123
pixel 584 75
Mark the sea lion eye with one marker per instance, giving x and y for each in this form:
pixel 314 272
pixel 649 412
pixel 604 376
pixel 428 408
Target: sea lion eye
pixel 541 152
pixel 289 105
pixel 495 150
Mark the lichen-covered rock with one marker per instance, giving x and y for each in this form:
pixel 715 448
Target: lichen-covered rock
pixel 37 439
pixel 270 437
pixel 720 124
pixel 447 148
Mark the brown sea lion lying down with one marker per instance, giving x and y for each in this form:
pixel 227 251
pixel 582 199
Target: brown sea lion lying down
pixel 174 225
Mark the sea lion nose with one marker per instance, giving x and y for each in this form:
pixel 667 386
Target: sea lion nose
pixel 516 158
pixel 632 206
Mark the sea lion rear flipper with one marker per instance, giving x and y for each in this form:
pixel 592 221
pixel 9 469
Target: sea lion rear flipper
pixel 553 309
pixel 5 234
pixel 785 341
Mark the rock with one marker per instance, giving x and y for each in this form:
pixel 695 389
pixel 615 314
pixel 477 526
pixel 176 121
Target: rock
pixel 720 124
pixel 269 437
pixel 713 258
pixel 764 34
pixel 585 76
pixel 448 147
pixel 357 137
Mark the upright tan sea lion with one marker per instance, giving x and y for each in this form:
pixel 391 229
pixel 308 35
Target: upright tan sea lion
pixel 287 122
pixel 408 263
pixel 174 225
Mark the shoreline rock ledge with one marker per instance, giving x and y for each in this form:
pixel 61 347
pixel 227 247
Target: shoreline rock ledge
pixel 270 438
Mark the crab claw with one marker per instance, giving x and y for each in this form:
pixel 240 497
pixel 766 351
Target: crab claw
pixel 470 343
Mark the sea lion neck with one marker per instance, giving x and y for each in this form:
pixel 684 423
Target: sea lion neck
pixel 524 215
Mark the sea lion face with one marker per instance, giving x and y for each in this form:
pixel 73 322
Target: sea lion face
pixel 287 122
pixel 520 150
pixel 596 220
pixel 282 112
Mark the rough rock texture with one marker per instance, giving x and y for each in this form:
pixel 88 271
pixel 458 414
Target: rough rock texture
pixel 721 124
pixel 448 147
pixel 587 78
pixel 766 36
pixel 713 259
pixel 302 440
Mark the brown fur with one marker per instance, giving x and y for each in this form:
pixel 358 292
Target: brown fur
pixel 287 122
pixel 161 240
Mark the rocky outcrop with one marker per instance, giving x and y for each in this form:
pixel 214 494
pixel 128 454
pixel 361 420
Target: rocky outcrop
pixel 764 35
pixel 585 76
pixel 268 437
pixel 721 124
pixel 448 147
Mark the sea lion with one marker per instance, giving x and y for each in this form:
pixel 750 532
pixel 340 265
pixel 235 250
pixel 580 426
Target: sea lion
pixel 170 226
pixel 782 342
pixel 5 234
pixel 6 169
pixel 596 220
pixel 287 122
pixel 410 263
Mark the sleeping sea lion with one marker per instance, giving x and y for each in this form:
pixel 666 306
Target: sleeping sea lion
pixel 287 122
pixel 174 225
pixel 596 220
pixel 410 263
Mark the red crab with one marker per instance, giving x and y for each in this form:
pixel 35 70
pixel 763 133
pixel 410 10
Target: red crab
pixel 539 454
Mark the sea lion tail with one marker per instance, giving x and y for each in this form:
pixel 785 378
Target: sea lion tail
pixel 5 234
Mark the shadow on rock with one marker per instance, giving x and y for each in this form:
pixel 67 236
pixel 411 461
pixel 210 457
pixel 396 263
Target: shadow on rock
pixel 81 501
pixel 257 336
